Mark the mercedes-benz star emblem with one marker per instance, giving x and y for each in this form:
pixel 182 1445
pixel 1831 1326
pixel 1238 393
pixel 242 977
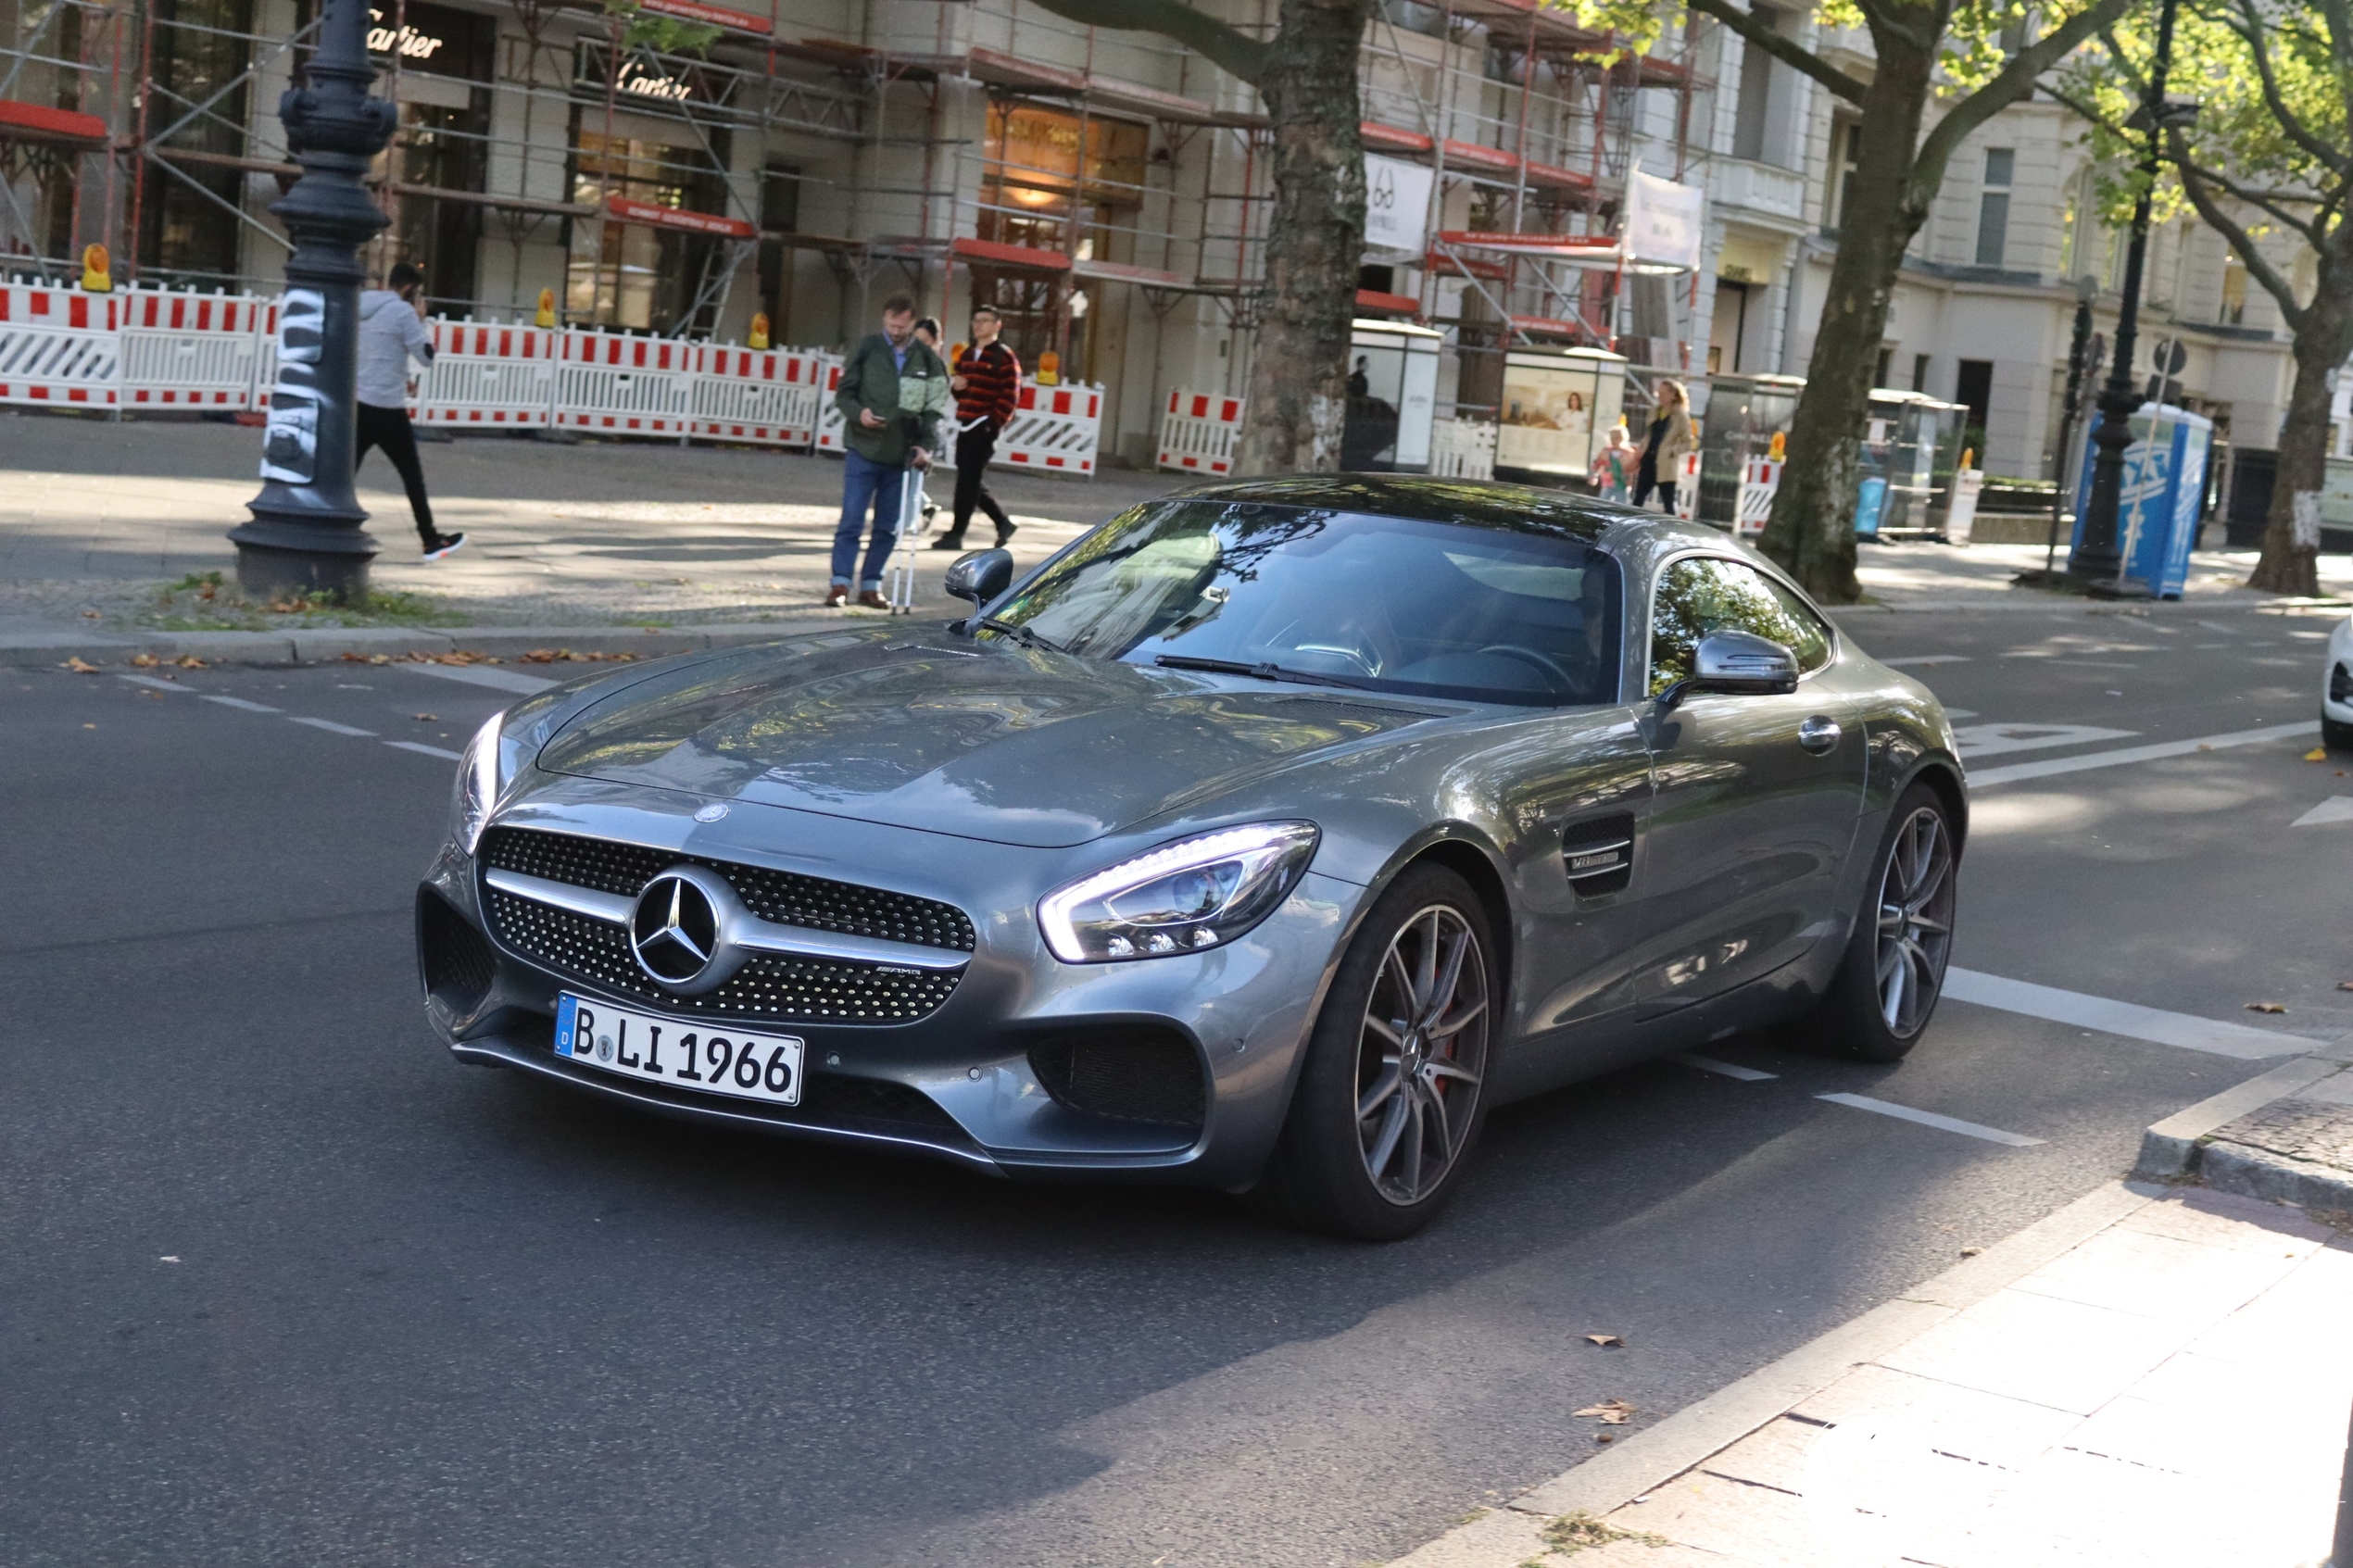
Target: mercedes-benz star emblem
pixel 674 930
pixel 712 812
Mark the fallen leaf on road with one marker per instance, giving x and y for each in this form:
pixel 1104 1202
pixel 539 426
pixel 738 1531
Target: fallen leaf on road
pixel 1971 1251
pixel 2345 985
pixel 89 726
pixel 169 1259
pixel 145 660
pixel 1607 1341
pixel 2265 1007
pixel 427 718
pixel 157 695
pixel 77 667
pixel 1612 1413
pixel 190 661
pixel 2317 754
pixel 2205 748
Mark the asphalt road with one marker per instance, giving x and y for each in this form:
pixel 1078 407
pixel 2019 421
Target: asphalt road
pixel 286 1285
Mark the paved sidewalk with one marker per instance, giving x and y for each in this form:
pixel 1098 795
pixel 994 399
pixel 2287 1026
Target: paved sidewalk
pixel 97 516
pixel 2171 1387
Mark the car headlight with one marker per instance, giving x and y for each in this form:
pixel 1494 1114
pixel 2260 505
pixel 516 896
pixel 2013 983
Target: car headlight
pixel 1182 898
pixel 481 775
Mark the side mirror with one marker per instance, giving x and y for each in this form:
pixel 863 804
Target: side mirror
pixel 981 576
pixel 1736 663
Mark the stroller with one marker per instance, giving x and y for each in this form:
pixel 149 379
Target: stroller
pixel 915 512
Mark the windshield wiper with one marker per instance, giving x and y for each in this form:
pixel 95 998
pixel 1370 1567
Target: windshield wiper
pixel 1021 635
pixel 1261 672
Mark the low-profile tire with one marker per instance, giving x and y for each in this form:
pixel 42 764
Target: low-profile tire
pixel 2336 733
pixel 1391 1095
pixel 1886 989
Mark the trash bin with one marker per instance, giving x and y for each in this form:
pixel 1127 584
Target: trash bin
pixel 2163 497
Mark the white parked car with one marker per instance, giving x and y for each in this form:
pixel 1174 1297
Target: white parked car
pixel 2337 690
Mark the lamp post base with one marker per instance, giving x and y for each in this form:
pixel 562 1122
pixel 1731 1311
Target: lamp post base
pixel 276 558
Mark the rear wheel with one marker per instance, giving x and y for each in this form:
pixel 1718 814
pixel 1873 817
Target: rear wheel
pixel 1392 1093
pixel 1879 1002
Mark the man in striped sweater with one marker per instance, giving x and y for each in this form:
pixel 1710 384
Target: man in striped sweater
pixel 987 381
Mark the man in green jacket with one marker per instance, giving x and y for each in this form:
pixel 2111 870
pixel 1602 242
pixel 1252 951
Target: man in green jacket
pixel 892 387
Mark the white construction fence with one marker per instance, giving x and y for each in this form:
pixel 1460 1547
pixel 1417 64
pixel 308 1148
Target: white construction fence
pixel 150 349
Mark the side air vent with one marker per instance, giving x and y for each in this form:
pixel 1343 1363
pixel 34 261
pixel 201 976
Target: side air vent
pixel 1128 1072
pixel 1598 854
pixel 455 963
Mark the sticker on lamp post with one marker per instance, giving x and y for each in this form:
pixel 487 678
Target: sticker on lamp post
pixel 290 445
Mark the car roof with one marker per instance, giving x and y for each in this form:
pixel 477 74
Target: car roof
pixel 1518 508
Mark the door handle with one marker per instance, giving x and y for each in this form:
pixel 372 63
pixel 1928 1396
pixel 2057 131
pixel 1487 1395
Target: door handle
pixel 1819 733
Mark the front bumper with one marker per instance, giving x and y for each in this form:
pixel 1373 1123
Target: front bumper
pixel 988 1079
pixel 2337 676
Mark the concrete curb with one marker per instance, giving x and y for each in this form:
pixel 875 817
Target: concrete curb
pixel 2230 1142
pixel 42 648
pixel 1651 1458
pixel 2169 1149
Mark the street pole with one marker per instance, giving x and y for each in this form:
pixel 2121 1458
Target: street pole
pixel 2341 1556
pixel 2097 562
pixel 305 536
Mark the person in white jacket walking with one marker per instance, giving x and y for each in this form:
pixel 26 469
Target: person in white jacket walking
pixel 392 331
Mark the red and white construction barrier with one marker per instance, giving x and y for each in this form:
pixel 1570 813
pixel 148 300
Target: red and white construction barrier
pixel 1197 432
pixel 59 347
pixel 624 385
pixel 1760 477
pixel 1053 428
pixel 183 350
pixel 829 420
pixel 1462 449
pixel 764 396
pixel 1687 486
pixel 488 376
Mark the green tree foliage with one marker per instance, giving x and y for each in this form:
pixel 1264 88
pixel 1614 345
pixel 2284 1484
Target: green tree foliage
pixel 641 28
pixel 1964 59
pixel 2267 161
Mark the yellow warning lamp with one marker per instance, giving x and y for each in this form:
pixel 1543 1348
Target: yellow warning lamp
pixel 1779 451
pixel 547 316
pixel 759 338
pixel 1968 456
pixel 1050 369
pixel 96 275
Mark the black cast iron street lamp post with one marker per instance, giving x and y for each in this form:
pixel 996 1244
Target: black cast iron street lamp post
pixel 305 536
pixel 2096 562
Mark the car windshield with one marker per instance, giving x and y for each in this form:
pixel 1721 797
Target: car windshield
pixel 1512 615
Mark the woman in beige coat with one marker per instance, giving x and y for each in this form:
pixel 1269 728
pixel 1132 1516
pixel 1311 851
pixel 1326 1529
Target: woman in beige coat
pixel 1670 442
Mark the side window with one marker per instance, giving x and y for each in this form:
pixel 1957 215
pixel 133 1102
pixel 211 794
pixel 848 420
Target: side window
pixel 1703 593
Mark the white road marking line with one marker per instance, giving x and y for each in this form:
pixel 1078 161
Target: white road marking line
pixel 2141 753
pixel 2211 626
pixel 2128 1019
pixel 422 749
pixel 149 680
pixel 239 703
pixel 1992 740
pixel 1930 1118
pixel 1926 658
pixel 1722 1069
pixel 481 675
pixel 2335 809
pixel 330 726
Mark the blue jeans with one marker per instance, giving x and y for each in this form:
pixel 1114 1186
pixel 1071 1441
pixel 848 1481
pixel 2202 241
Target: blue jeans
pixel 865 483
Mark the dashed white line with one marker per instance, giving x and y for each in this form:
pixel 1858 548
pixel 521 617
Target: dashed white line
pixel 2128 1019
pixel 1931 1119
pixel 424 750
pixel 1979 780
pixel 327 725
pixel 480 675
pixel 149 680
pixel 330 726
pixel 239 703
pixel 1722 1069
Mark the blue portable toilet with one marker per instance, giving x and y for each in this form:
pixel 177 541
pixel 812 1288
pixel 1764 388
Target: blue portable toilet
pixel 2163 497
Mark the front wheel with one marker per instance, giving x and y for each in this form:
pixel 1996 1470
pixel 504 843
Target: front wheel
pixel 1391 1094
pixel 1878 1003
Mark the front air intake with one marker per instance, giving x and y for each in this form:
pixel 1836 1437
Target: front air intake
pixel 1125 1071
pixel 455 962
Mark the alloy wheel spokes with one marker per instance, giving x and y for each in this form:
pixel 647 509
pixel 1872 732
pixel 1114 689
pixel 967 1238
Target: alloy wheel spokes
pixel 1422 1054
pixel 1914 923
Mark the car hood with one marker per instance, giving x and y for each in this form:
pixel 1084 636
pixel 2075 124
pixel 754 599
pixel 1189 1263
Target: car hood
pixel 980 740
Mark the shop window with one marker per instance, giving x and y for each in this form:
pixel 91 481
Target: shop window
pixel 200 47
pixel 2233 312
pixel 1056 181
pixel 633 274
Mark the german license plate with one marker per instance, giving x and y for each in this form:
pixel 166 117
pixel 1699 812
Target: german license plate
pixel 668 1050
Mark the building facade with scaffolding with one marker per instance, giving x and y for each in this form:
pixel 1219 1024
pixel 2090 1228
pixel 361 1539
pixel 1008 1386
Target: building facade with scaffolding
pixel 1108 192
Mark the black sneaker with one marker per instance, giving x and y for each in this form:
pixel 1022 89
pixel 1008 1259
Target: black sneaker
pixel 1005 535
pixel 443 544
pixel 948 542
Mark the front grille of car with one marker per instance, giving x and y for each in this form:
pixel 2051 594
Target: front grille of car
pixel 1125 1071
pixel 785 898
pixel 770 987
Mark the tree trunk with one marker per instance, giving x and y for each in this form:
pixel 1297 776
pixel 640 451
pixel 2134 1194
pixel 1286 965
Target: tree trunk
pixel 2292 528
pixel 1315 241
pixel 1811 531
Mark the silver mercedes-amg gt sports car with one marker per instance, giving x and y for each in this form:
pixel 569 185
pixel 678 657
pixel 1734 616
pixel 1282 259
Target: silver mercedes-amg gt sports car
pixel 1265 837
